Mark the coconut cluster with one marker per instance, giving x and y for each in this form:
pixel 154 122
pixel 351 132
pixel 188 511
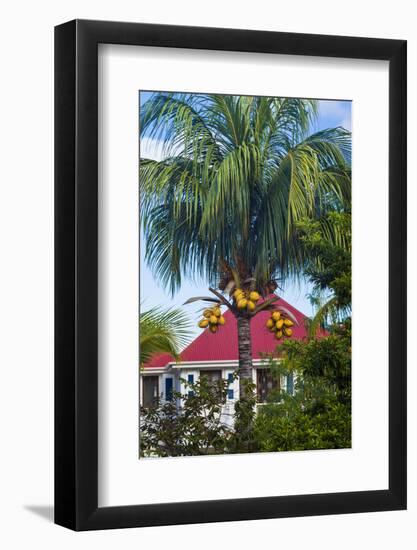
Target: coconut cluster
pixel 246 299
pixel 280 325
pixel 212 318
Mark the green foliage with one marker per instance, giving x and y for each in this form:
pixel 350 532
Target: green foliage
pixel 162 331
pixel 242 439
pixel 193 429
pixel 321 363
pixel 327 243
pixel 238 174
pixel 287 428
pixel 196 427
pixel 318 414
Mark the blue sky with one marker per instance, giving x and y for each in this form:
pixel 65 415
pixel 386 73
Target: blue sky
pixel 332 113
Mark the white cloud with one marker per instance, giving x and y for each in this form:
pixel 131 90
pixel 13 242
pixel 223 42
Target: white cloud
pixel 151 149
pixel 154 149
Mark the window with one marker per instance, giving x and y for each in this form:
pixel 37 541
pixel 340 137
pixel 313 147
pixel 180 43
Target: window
pixel 213 376
pixel 265 383
pixel 150 390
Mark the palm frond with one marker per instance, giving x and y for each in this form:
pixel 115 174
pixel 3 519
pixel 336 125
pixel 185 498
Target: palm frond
pixel 202 298
pixel 238 175
pixel 326 309
pixel 162 331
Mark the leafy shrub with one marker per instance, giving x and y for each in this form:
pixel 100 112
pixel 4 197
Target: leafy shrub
pixel 193 428
pixel 318 415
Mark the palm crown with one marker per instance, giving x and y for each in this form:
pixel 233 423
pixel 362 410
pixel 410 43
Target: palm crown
pixel 237 174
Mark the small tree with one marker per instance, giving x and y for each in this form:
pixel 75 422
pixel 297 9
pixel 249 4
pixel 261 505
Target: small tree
pixel 243 440
pixel 318 415
pixel 189 424
pixel 327 246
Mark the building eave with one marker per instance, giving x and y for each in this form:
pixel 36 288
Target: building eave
pixel 159 370
pixel 229 363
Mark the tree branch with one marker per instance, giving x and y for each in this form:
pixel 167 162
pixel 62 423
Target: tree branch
pixel 221 298
pixel 265 305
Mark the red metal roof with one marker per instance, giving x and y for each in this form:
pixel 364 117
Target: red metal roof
pixel 222 346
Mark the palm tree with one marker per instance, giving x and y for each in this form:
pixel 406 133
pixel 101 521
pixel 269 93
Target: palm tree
pixel 162 332
pixel 237 175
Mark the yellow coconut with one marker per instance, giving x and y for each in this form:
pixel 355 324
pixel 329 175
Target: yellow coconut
pixel 250 305
pixel 221 320
pixel 278 334
pixel 242 303
pixel 287 331
pixel 207 313
pixel 276 315
pixel 237 293
pixel 203 323
pixel 288 323
pixel 213 320
pixel 217 311
pixel 254 296
pixel 213 328
pixel 270 323
pixel 279 324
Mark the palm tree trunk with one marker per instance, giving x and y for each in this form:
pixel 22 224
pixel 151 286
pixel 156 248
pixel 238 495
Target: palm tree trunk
pixel 245 353
pixel 245 407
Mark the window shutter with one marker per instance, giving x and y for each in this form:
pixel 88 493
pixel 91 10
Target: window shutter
pixel 230 393
pixel 190 379
pixel 290 383
pixel 168 388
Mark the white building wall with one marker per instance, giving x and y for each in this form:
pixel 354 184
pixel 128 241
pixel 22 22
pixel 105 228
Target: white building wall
pixel 183 373
pixel 228 408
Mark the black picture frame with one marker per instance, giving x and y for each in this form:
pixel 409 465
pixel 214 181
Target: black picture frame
pixel 76 272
